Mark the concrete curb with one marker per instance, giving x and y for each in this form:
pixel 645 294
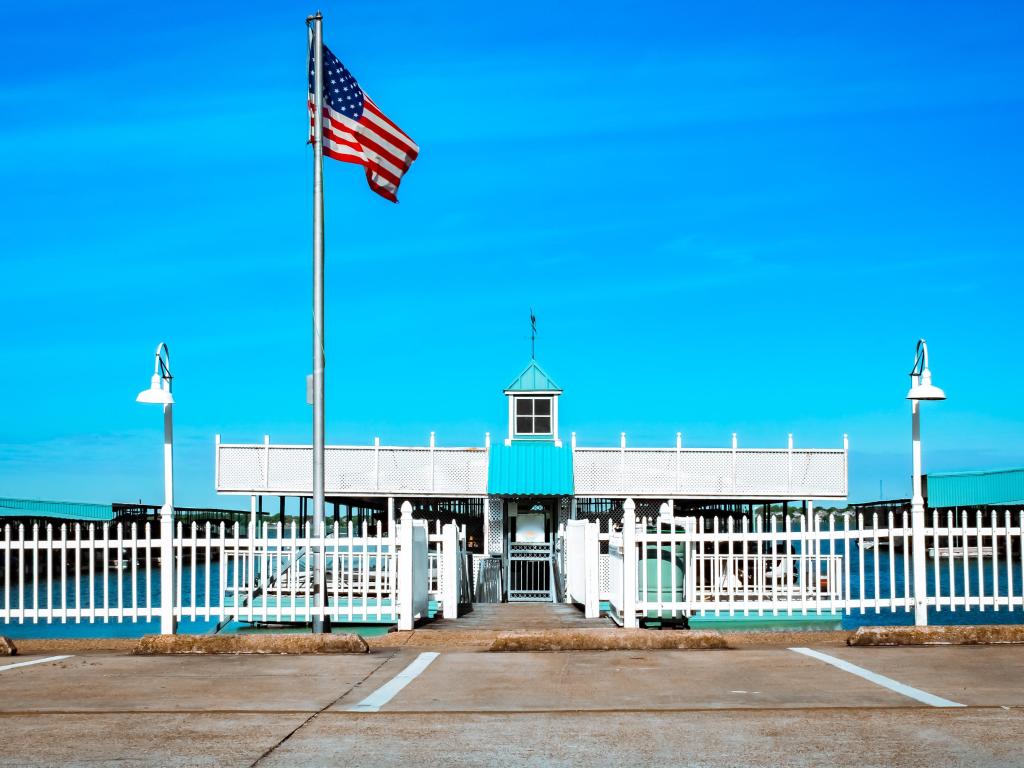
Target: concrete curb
pixel 607 640
pixel 151 645
pixel 982 634
pixel 7 647
pixel 77 645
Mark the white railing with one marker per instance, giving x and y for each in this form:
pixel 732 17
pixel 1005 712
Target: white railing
pixel 365 470
pixel 270 578
pixel 800 565
pixel 747 473
pixel 377 470
pixel 79 573
pixel 110 572
pixel 979 556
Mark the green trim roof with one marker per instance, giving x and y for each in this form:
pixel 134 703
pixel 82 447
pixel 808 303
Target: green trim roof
pixel 533 379
pixel 61 510
pixel 530 469
pixel 967 489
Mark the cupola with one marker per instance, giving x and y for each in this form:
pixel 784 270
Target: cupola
pixel 533 406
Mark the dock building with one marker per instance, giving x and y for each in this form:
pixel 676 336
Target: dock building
pixel 514 493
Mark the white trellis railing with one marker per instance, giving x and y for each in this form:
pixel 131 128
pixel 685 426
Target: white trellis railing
pixel 111 572
pixel 800 565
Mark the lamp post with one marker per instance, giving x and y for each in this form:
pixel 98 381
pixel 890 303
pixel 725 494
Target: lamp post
pixel 159 393
pixel 921 388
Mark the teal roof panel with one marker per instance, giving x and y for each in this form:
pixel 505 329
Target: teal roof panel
pixel 966 489
pixel 533 379
pixel 530 469
pixel 61 510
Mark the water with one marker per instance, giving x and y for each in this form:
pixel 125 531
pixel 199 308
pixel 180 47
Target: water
pixel 940 617
pixel 104 591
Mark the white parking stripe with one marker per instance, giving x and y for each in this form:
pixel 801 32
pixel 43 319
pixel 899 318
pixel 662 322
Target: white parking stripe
pixel 390 689
pixel 5 667
pixel 886 682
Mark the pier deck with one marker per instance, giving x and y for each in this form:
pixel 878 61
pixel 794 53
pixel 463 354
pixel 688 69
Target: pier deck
pixel 524 616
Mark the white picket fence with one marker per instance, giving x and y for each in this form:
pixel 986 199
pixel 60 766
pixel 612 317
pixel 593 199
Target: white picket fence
pixel 802 565
pixel 101 572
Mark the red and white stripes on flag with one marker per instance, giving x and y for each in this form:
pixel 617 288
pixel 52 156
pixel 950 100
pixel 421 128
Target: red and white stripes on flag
pixel 356 131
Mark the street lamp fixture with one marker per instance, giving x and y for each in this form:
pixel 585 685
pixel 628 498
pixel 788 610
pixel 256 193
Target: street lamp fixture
pixel 921 387
pixel 159 393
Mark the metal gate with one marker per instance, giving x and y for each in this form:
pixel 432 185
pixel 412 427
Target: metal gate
pixel 530 572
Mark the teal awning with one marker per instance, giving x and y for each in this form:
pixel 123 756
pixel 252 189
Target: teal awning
pixel 530 469
pixel 61 510
pixel 968 489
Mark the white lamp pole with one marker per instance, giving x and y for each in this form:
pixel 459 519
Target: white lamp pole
pixel 921 388
pixel 159 392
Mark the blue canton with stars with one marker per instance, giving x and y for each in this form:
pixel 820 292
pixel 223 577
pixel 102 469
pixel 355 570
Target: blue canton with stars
pixel 341 91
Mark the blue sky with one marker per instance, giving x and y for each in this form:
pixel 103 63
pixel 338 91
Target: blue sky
pixel 727 217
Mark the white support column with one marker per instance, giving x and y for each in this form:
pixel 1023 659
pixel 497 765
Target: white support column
pixel 168 623
pixel 917 523
pixel 592 570
pixel 406 606
pixel 629 564
pixel 812 525
pixel 450 563
pixel 391 514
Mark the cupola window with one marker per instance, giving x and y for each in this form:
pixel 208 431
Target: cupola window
pixel 533 415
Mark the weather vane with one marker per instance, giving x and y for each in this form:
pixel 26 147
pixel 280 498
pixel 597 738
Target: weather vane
pixel 533 335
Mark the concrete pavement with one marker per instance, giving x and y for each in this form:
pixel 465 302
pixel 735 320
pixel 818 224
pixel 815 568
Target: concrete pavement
pixel 769 706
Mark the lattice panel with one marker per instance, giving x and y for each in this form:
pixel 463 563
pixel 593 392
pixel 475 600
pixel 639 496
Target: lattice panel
pixel 596 472
pixel 819 473
pixel 460 471
pixel 563 512
pixel 290 468
pixel 495 526
pixel 649 471
pixel 241 468
pixel 603 574
pixel 348 469
pixel 762 472
pixel 404 470
pixel 706 473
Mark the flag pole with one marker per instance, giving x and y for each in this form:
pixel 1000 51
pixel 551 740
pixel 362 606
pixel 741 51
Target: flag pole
pixel 318 319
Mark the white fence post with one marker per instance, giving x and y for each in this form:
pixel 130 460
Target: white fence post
pixel 592 571
pixel 168 625
pixel 406 609
pixel 629 564
pixel 450 563
pixel 920 578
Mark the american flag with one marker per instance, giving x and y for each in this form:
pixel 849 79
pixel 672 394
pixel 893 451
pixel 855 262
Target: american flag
pixel 356 131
